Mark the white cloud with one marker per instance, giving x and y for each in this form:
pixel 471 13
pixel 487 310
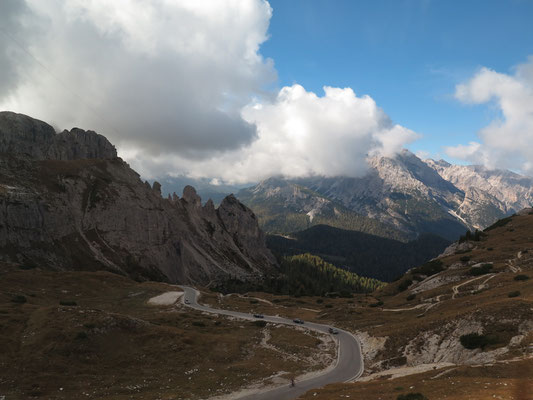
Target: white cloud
pixel 507 142
pixel 171 83
pixel 301 134
pixel 169 77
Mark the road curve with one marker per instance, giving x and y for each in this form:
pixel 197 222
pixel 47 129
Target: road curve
pixel 349 365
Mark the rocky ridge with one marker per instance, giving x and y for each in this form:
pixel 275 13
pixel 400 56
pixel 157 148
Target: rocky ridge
pixel 68 202
pixel 404 193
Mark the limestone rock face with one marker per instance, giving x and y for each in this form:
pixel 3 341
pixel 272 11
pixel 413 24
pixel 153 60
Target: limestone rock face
pixel 22 135
pixel 67 202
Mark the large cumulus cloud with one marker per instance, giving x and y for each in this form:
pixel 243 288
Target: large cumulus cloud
pixel 165 76
pixel 507 142
pixel 180 86
pixel 301 134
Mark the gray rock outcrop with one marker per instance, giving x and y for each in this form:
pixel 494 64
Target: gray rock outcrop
pixel 67 202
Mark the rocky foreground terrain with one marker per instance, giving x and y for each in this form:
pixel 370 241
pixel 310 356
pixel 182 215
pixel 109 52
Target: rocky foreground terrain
pixel 68 202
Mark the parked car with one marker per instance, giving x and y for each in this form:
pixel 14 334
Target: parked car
pixel 333 331
pixel 187 301
pixel 297 321
pixel 259 316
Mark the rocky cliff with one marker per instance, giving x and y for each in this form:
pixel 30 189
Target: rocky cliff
pixel 68 202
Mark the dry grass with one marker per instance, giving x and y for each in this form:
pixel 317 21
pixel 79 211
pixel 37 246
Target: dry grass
pixel 501 381
pixel 112 345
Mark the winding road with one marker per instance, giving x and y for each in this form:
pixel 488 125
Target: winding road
pixel 349 365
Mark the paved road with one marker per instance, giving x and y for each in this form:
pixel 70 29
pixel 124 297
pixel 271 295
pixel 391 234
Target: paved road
pixel 349 364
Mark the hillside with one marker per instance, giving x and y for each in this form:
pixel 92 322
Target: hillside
pixel 68 202
pixel 460 326
pixel 366 255
pixel 74 335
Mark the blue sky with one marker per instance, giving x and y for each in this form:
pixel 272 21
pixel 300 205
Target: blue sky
pixel 408 55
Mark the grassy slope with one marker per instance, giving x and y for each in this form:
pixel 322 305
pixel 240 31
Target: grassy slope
pixel 489 305
pixel 113 345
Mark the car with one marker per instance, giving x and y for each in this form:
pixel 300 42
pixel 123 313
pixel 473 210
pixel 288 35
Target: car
pixel 333 331
pixel 297 321
pixel 187 301
pixel 259 316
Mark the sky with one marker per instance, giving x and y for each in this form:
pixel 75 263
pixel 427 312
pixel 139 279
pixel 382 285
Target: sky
pixel 240 90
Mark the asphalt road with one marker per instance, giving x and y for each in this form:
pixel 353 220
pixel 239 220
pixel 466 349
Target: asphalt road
pixel 349 364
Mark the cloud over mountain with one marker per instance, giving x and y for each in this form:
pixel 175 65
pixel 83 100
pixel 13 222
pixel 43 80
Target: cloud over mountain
pixel 301 134
pixel 507 142
pixel 181 87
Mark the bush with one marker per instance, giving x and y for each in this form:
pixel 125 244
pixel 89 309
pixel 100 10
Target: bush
pixel 521 277
pixel 329 305
pixel 412 296
pixel 19 299
pixel 516 293
pixel 475 341
pixel 67 303
pixel 465 258
pixel 378 304
pixel 404 285
pixel 260 324
pixel 319 301
pixel 411 396
pixel 429 268
pixel 254 301
pixel 198 323
pixel 81 335
pixel 482 270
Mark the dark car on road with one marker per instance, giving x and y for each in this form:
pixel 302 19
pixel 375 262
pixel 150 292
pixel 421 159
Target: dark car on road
pixel 297 321
pixel 333 331
pixel 187 301
pixel 259 316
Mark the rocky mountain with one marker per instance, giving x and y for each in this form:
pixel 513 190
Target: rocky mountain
pixel 284 206
pixel 488 194
pixel 403 197
pixel 68 202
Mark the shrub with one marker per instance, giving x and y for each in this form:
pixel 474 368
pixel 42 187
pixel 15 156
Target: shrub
pixel 474 341
pixel 198 323
pixel 81 335
pixel 67 303
pixel 430 268
pixel 259 323
pixel 19 299
pixel 378 304
pixel 319 301
pixel 404 285
pixel 465 258
pixel 521 277
pixel 412 296
pixel 27 266
pixel 89 326
pixel 329 305
pixel 482 270
pixel 411 396
pixel 516 293
pixel 490 248
pixel 254 301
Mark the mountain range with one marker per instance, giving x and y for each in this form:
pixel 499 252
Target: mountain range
pixel 399 197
